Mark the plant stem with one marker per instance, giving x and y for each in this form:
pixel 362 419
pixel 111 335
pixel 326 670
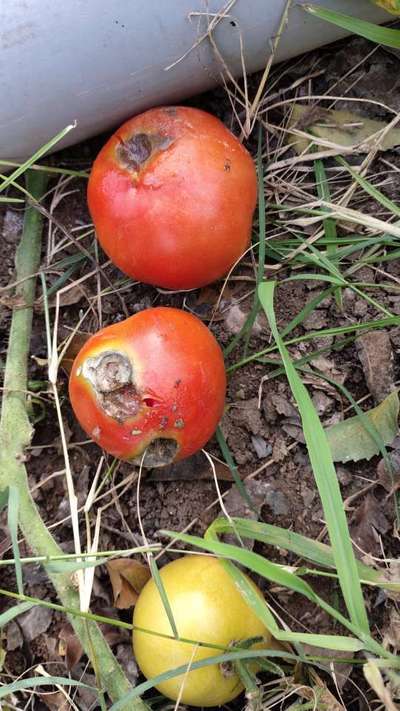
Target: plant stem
pixel 15 436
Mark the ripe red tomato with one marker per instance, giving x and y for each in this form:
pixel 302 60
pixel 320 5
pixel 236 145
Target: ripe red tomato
pixel 153 382
pixel 172 195
pixel 207 607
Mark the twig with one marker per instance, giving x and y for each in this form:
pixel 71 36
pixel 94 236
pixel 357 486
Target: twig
pixel 15 436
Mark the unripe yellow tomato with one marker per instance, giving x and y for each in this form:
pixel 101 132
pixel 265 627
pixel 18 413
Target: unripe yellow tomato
pixel 207 607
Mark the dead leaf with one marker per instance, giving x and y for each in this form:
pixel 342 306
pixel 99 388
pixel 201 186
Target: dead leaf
pixel 75 345
pixel 283 406
pixel 369 520
pixel 319 694
pixel 344 129
pixel 14 636
pixel 69 646
pixel 71 296
pixel 391 634
pixel 127 577
pixel 54 700
pixel 35 622
pixel 376 357
pixel 350 441
pixel 390 480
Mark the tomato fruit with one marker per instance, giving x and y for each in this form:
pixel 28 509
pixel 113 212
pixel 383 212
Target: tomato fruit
pixel 206 607
pixel 153 383
pixel 172 195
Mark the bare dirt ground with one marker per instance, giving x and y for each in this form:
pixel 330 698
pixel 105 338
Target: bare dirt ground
pixel 266 441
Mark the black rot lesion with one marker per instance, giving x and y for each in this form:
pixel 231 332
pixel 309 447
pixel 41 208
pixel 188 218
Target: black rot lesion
pixel 136 151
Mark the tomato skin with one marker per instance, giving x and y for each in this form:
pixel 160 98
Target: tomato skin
pixel 183 217
pixel 207 607
pixel 177 387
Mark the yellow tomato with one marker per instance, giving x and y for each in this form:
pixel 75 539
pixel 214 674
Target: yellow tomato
pixel 207 607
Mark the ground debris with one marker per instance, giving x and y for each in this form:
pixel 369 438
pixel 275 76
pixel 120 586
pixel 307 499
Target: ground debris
pixel 369 521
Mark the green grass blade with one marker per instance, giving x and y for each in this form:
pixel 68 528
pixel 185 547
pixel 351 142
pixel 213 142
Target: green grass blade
pixel 33 682
pixel 13 612
pixel 261 609
pixel 164 597
pixel 41 152
pixel 324 194
pixel 227 455
pixel 325 476
pixel 370 189
pixel 286 578
pixel 375 33
pixel 249 322
pixel 305 548
pixel 335 331
pixel 209 661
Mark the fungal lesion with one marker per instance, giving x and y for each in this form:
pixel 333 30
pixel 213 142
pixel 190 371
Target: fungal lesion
pixel 160 452
pixel 112 378
pixel 134 152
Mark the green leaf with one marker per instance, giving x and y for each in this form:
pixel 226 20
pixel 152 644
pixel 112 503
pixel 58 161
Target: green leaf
pixel 349 440
pixel 325 476
pixel 375 33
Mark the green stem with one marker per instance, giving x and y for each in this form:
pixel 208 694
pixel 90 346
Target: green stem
pixel 15 436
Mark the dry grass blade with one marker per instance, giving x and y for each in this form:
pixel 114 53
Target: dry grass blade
pixel 325 477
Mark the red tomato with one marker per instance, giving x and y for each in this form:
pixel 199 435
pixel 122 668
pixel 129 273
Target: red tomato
pixel 155 382
pixel 172 196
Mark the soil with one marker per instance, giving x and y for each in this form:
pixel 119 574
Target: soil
pixel 265 438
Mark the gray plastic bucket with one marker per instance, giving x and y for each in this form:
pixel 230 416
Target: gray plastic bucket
pixel 98 62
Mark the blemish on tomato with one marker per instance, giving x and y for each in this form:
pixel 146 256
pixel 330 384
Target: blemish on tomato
pixel 111 376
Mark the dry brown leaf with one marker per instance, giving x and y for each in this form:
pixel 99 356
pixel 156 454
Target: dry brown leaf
pixel 77 341
pixel 54 700
pixel 69 646
pixel 127 577
pixel 369 519
pixel 391 634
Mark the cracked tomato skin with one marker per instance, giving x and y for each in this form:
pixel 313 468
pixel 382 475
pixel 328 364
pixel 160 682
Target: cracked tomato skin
pixel 207 607
pixel 172 196
pixel 155 381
